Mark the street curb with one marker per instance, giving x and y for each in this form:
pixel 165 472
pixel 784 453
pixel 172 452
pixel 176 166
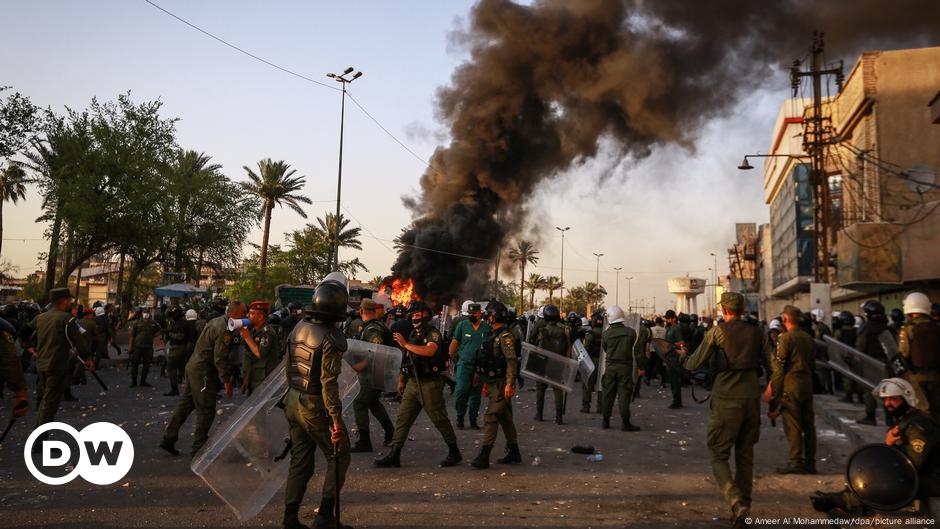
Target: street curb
pixel 833 412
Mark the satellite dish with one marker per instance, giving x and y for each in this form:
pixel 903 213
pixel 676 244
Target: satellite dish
pixel 920 178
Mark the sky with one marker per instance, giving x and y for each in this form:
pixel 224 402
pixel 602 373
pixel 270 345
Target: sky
pixel 656 218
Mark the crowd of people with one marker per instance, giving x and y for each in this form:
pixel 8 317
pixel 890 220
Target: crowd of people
pixel 736 359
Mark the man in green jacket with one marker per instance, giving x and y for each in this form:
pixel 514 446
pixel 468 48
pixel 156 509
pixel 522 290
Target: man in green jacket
pixel 620 343
pixel 468 336
pixel 735 352
pixel 262 347
pixel 790 392
pixel 140 348
pixel 369 398
pixel 552 336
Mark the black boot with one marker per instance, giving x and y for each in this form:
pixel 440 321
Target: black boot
pixel 460 422
pixel 291 521
pixel 605 423
pixel 482 460
pixel 538 416
pixel 558 419
pixel 626 426
pixel 512 455
pixel 453 456
pixel 586 408
pixel 143 376
pixel 326 518
pixel 868 419
pixel 389 435
pixel 391 460
pixel 68 397
pixel 828 501
pixel 364 444
pixel 473 424
pixel 168 445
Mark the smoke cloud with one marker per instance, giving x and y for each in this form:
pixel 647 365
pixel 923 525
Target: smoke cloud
pixel 545 82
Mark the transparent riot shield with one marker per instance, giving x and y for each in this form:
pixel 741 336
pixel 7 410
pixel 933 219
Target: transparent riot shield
pixel 545 366
pixel 245 461
pixel 586 366
pixel 634 321
pixel 383 364
pixel 854 364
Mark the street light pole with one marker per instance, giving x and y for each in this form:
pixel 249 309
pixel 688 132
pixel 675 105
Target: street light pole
pixel 629 294
pixel 617 298
pixel 339 174
pixel 715 283
pixel 561 295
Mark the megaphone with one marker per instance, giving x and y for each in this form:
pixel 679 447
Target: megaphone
pixel 234 325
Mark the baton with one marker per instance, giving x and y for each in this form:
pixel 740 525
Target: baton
pixel 93 373
pixel 22 404
pixel 336 476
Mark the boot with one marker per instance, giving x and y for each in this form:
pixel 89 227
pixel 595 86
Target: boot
pixel 512 456
pixel 68 397
pixel 558 419
pixel 453 456
pixel 291 521
pixel 605 423
pixel 538 416
pixel 675 405
pixel 168 445
pixel 811 468
pixel 460 422
pixel 791 469
pixel 868 419
pixel 389 435
pixel 586 408
pixel 827 501
pixel 325 518
pixel 364 444
pixel 143 376
pixel 740 516
pixel 625 426
pixel 391 460
pixel 482 459
pixel 473 424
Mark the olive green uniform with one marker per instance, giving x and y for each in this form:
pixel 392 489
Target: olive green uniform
pixel 550 336
pixel 369 399
pixel 143 333
pixel 592 342
pixel 848 336
pixel 734 421
pixel 792 382
pixel 56 334
pixel 254 369
pixel 430 396
pixel 203 371
pixel 919 347
pixel 620 343
pixel 92 336
pixel 677 334
pixel 354 329
pixel 11 369
pixel 179 337
pixel 499 409
pixel 868 344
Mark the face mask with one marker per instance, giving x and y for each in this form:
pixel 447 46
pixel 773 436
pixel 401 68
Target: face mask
pixel 417 322
pixel 898 412
pixel 473 318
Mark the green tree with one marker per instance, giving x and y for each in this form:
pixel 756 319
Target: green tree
pixel 276 185
pixel 336 233
pixel 310 257
pixel 20 120
pixel 12 189
pixel 523 253
pixel 535 282
pixel 585 296
pixel 376 282
pixel 552 283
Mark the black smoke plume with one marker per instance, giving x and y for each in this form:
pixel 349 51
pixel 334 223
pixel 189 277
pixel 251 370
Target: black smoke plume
pixel 544 82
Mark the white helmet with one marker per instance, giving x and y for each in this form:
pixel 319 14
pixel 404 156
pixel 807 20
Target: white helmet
pixel 916 303
pixel 585 322
pixel 817 313
pixel 836 314
pixel 859 321
pixel 775 325
pixel 896 387
pixel 540 313
pixel 465 307
pixel 99 311
pixel 191 315
pixel 382 299
pixel 615 315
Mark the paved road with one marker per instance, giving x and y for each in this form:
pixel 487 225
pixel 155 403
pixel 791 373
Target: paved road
pixel 659 477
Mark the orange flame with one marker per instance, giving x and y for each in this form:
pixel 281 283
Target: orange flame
pixel 403 292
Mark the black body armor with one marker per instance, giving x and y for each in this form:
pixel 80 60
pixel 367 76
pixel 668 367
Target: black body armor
pixel 743 344
pixel 424 366
pixel 489 364
pixel 305 347
pixel 925 346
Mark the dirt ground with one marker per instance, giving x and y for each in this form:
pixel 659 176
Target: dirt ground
pixel 659 477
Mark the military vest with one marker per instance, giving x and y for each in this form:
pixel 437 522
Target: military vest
pixel 742 347
pixel 177 334
pixel 376 326
pixel 594 346
pixel 552 337
pixel 871 345
pixel 491 361
pixel 925 345
pixel 305 350
pixel 425 366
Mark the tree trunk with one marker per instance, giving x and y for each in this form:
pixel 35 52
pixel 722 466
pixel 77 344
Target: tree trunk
pixel 202 253
pixel 53 257
pixel 119 293
pixel 264 236
pixel 522 290
pixel 78 286
pixel 1 228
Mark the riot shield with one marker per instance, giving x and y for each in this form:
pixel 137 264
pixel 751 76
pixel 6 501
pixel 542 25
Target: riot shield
pixel 383 364
pixel 883 478
pixel 245 461
pixel 545 366
pixel 585 364
pixel 633 320
pixel 854 364
pixel 602 360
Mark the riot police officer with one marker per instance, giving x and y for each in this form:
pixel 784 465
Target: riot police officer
pixel 497 367
pixel 845 332
pixel 262 347
pixel 620 344
pixel 140 348
pixel 552 336
pixel 421 386
pixel 312 404
pixel 179 335
pixel 592 342
pixel 919 347
pixel 869 343
pixel 369 398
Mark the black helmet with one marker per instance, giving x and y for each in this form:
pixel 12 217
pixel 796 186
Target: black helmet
pixel 806 322
pixel 551 313
pixel 597 319
pixel 874 310
pixel 574 318
pixel 497 312
pixel 882 477
pixel 220 304
pixel 694 318
pixel 935 310
pixel 329 301
pixel 399 312
pixel 293 306
pixel 420 307
pixel 175 312
pixel 669 314
pixel 847 318
pixel 79 309
pixel 897 316
pixel 684 318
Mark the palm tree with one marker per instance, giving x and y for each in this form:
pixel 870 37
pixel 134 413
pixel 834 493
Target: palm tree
pixel 12 188
pixel 535 282
pixel 376 282
pixel 524 252
pixel 552 283
pixel 276 185
pixel 333 232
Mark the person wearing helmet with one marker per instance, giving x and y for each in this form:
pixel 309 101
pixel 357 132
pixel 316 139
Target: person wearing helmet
pixel 678 334
pixel 914 432
pixel 140 348
pixel 106 334
pixel 820 331
pixel 698 332
pixel 868 343
pixel 655 366
pixel 469 336
pixel 790 392
pixel 919 348
pixel 11 370
pixel 740 351
pixel 421 387
pixel 574 324
pixel 369 399
pixel 553 336
pixel 592 343
pixel 463 315
pixel 845 332
pixel 179 335
pixel 497 366
pixel 312 404
pixel 896 321
pixel 208 365
pixel 621 346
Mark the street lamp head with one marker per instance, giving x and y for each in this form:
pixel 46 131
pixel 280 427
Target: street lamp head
pixel 331 75
pixel 357 76
pixel 745 165
pixel 347 70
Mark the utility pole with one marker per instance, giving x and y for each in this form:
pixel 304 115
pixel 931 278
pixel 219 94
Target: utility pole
pixel 340 78
pixel 617 298
pixel 815 140
pixel 561 294
pixel 629 294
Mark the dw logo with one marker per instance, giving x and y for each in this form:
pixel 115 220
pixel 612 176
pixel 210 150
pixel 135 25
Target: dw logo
pixel 101 453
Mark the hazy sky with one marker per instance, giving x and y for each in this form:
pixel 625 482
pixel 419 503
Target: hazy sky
pixel 657 218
